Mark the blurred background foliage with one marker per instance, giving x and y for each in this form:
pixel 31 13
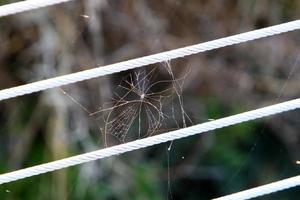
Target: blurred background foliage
pixel 80 35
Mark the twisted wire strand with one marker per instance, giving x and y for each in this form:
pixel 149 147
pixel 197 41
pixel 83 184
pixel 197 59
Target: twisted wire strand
pixel 147 60
pixel 263 190
pixel 22 6
pixel 150 141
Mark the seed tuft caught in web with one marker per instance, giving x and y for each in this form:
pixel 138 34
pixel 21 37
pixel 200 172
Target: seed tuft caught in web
pixel 142 104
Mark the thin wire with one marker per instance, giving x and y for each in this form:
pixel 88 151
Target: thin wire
pixel 150 141
pixel 22 6
pixel 147 60
pixel 263 190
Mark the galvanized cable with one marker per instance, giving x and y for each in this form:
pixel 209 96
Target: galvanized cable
pixel 150 141
pixel 264 189
pixel 147 60
pixel 22 6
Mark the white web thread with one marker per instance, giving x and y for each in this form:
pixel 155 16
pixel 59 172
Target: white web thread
pixel 150 141
pixel 263 190
pixel 147 60
pixel 22 6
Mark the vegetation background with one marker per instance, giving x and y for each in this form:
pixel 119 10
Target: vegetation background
pixel 80 35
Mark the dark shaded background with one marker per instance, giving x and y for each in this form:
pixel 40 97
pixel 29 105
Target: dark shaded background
pixel 46 126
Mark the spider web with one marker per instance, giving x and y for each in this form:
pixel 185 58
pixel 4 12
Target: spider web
pixel 142 103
